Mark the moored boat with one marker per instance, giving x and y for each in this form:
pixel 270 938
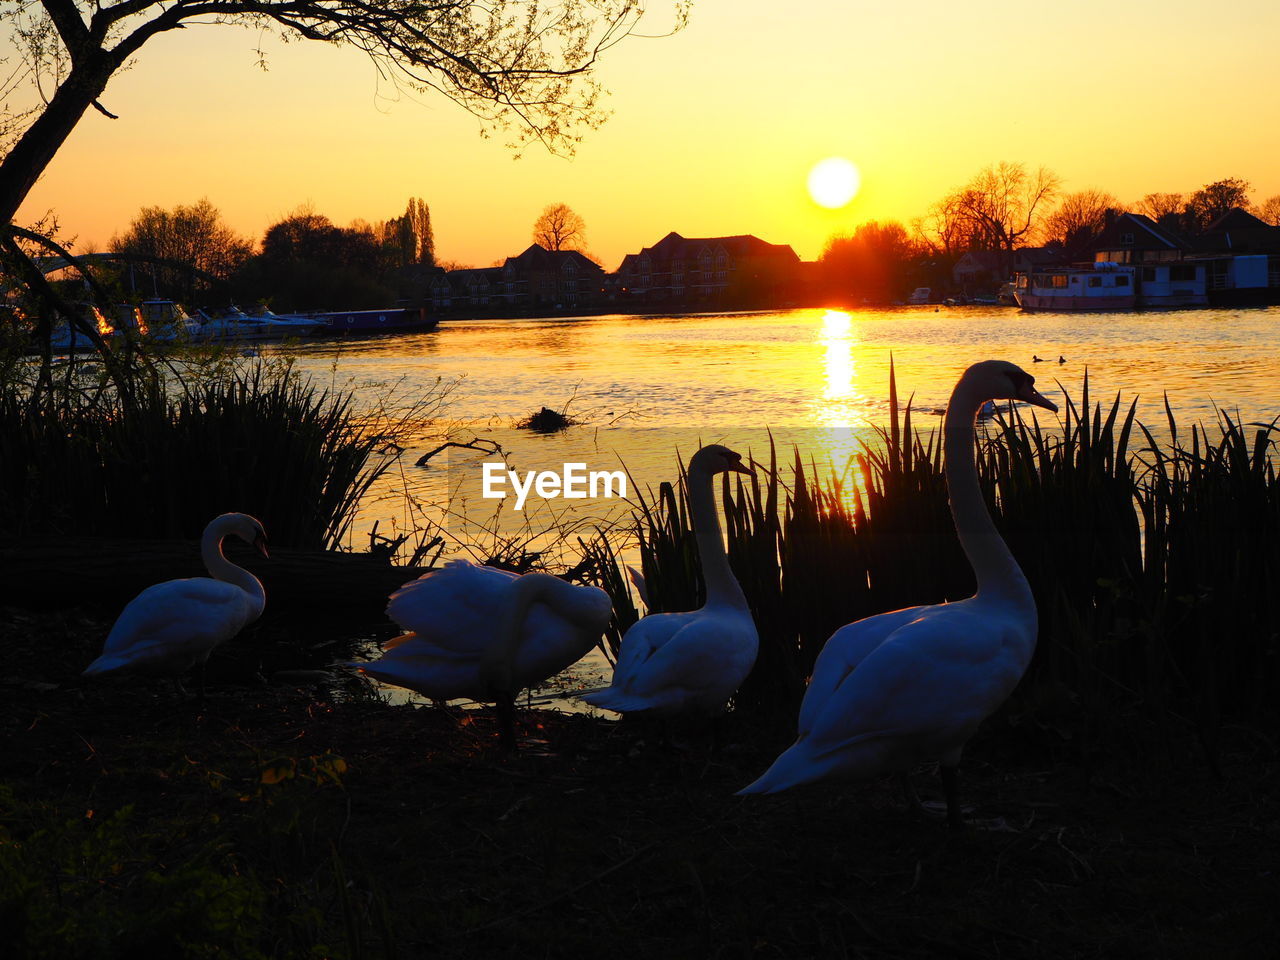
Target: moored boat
pixel 388 320
pixel 234 324
pixel 1107 285
pixel 1102 286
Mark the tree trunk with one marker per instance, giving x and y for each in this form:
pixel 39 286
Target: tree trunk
pixel 33 152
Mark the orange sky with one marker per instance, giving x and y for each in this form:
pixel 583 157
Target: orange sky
pixel 714 130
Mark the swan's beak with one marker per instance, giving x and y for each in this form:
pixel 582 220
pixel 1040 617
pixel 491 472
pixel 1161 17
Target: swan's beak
pixel 742 468
pixel 1030 394
pixel 260 544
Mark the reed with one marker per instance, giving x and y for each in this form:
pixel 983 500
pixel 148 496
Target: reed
pixel 254 439
pixel 1153 562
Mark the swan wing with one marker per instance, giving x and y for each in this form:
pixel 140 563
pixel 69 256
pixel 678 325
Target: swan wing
pixel 454 607
pixel 842 654
pixel 171 626
pixel 552 642
pixel 646 636
pixel 930 682
pixel 918 695
pixel 696 667
pixel 637 581
pixel 703 664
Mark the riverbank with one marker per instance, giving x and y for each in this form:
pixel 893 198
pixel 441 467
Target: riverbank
pixel 299 819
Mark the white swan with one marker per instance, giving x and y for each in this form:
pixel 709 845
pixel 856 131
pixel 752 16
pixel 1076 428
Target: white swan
pixel 899 688
pixel 486 634
pixel 690 663
pixel 173 626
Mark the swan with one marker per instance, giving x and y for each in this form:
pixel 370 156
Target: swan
pixel 173 626
pixel 1035 359
pixel 899 688
pixel 485 634
pixel 671 664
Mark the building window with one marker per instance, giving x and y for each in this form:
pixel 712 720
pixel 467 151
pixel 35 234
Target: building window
pixel 1122 279
pixel 1059 280
pixel 1126 239
pixel 1182 273
pixel 1148 274
pixel 1095 281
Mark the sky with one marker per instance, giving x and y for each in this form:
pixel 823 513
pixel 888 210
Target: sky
pixel 714 130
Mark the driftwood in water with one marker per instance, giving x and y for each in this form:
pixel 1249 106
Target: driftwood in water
pixel 103 575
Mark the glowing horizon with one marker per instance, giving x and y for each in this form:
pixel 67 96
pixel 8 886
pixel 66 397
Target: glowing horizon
pixel 920 98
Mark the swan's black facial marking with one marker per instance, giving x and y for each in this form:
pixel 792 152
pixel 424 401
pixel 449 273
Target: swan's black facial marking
pixel 1022 381
pixel 732 462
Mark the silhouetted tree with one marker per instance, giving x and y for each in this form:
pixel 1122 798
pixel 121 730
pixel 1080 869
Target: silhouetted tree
pixel 193 235
pixel 559 228
pixel 410 235
pixel 1001 203
pixel 876 262
pixel 944 228
pixel 1164 208
pixel 1269 210
pixel 308 263
pixel 1213 200
pixel 1079 218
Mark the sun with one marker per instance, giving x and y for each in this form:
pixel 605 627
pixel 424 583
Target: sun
pixel 833 182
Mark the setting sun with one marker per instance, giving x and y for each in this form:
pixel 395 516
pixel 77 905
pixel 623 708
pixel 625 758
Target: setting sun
pixel 833 182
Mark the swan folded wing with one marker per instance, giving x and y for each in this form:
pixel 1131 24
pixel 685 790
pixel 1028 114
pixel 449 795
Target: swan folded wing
pixel 426 672
pixel 172 626
pixel 454 607
pixel 549 643
pixel 932 681
pixel 842 654
pixel 699 667
pixel 645 637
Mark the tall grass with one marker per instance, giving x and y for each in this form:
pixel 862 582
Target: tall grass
pixel 1154 569
pixel 254 439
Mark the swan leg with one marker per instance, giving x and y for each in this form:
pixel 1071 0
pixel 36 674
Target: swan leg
pixel 909 792
pixel 202 673
pixel 505 705
pixel 951 789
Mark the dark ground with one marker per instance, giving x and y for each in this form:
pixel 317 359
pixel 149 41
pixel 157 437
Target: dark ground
pixel 129 827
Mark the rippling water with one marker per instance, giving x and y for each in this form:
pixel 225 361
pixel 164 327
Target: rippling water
pixel 648 385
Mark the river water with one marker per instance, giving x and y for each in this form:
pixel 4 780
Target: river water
pixel 649 388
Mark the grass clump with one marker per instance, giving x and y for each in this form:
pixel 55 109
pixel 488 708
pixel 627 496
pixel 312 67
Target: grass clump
pixel 163 461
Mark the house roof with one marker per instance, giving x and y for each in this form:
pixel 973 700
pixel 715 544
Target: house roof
pixel 673 246
pixel 1238 231
pixel 538 257
pixel 1148 235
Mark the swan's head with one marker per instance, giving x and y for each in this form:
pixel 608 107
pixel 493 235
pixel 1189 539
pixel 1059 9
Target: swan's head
pixel 1001 380
pixel 714 458
pixel 245 527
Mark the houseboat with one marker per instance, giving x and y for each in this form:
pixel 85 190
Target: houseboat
pixel 1107 285
pixel 389 320
pixel 1244 281
pixel 1103 286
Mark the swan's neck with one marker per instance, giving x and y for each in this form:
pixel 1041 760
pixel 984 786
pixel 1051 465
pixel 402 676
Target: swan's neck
pixel 220 568
pixel 722 585
pixel 998 574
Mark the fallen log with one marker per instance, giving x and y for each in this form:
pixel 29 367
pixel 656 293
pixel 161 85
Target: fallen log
pixel 102 575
